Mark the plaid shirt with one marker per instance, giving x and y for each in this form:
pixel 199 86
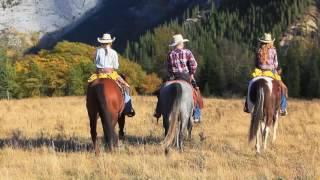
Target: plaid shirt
pixel 181 61
pixel 272 61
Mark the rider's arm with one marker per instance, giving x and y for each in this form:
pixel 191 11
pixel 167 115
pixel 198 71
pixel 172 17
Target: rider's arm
pixel 275 61
pixel 116 61
pixel 169 65
pixel 99 58
pixel 98 52
pixel 191 63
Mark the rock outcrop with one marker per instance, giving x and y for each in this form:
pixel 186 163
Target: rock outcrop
pixel 53 17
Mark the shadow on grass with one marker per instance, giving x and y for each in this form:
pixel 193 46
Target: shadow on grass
pixel 72 144
pixel 138 140
pixel 58 144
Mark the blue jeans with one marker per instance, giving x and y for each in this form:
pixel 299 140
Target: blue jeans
pixel 128 103
pixel 283 103
pixel 197 112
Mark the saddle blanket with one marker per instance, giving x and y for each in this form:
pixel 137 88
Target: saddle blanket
pixel 258 72
pixel 113 75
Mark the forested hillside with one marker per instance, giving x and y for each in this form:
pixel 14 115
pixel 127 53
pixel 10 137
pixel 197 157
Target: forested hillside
pixel 62 71
pixel 224 40
pixel 223 36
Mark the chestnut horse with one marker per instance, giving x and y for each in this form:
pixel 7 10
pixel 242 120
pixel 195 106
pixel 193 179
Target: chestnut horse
pixel 264 94
pixel 104 97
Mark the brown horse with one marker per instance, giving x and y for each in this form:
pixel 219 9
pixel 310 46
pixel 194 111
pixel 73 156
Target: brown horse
pixel 104 97
pixel 264 94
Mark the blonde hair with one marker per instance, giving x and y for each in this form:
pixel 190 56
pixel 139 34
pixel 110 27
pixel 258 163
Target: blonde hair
pixel 104 45
pixel 263 53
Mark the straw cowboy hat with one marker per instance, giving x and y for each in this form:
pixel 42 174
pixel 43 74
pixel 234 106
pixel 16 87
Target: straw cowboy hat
pixel 177 39
pixel 106 38
pixel 267 38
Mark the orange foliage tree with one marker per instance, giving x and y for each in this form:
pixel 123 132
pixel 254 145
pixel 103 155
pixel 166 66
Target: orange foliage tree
pixel 65 70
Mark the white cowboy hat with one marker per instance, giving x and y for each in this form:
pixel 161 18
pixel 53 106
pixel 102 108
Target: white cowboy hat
pixel 177 39
pixel 267 38
pixel 106 38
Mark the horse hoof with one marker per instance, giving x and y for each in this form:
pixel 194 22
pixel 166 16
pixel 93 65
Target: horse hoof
pixel 166 151
pixel 123 137
pixel 97 152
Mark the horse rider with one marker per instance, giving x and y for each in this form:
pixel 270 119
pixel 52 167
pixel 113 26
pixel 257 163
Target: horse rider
pixel 267 60
pixel 181 65
pixel 106 62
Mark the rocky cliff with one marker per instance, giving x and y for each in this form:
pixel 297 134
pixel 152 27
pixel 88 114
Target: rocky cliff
pixel 43 16
pixel 24 22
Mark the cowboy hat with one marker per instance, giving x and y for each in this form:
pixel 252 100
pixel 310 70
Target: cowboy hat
pixel 267 38
pixel 106 38
pixel 177 39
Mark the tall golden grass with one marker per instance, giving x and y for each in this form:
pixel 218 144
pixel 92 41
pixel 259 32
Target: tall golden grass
pixel 49 139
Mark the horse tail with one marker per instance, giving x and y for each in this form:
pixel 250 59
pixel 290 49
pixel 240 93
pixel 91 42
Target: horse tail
pixel 105 115
pixel 257 114
pixel 174 115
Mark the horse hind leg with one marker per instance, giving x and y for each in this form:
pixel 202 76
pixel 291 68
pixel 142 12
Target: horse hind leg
pixel 115 137
pixel 166 124
pixel 121 123
pixel 179 136
pixel 189 128
pixel 265 137
pixel 275 127
pixel 258 138
pixel 266 131
pixel 93 116
pixel 184 124
pixel 108 131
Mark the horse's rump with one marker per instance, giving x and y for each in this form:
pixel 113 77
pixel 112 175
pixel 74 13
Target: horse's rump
pixel 196 94
pixel 252 89
pixel 264 101
pixel 104 98
pixel 112 94
pixel 176 104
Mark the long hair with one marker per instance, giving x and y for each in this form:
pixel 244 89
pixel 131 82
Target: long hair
pixel 263 52
pixel 105 47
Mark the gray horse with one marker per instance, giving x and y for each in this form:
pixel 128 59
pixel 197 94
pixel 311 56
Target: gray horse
pixel 176 106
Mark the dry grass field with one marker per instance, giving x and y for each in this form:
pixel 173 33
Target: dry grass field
pixel 49 139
